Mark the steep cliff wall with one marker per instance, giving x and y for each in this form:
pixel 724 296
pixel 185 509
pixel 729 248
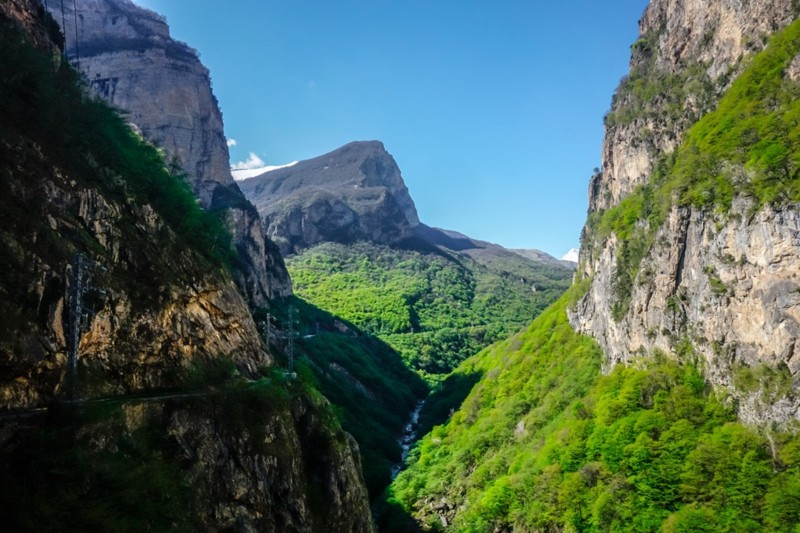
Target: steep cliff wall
pixel 692 238
pixel 243 461
pixel 164 305
pixel 129 59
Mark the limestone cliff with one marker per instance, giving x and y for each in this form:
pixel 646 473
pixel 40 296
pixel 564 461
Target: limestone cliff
pixel 709 271
pixel 353 193
pixel 129 59
pixel 160 304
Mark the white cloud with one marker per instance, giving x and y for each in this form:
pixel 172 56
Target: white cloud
pixel 572 255
pixel 243 174
pixel 253 161
pixel 232 143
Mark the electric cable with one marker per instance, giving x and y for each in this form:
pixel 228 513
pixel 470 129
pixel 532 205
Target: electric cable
pixel 75 43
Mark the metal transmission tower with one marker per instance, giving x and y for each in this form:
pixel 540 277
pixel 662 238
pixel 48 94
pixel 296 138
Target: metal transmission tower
pixel 80 284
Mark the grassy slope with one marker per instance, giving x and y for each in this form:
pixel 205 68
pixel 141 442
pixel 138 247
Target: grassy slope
pixel 435 309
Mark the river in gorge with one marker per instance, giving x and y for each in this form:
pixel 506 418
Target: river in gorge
pixel 408 438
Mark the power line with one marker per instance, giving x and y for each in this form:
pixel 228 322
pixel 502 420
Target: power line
pixel 75 308
pixel 64 29
pixel 48 16
pixel 77 50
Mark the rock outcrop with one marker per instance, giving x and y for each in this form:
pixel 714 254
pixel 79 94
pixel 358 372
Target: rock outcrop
pixel 129 59
pixel 725 294
pixel 162 307
pixel 355 193
pixel 30 17
pixel 717 287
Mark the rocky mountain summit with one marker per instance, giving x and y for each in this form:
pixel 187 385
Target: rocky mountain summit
pixel 129 59
pixel 692 243
pixel 350 194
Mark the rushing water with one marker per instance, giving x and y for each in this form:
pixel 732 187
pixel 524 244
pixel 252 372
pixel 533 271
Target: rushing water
pixel 408 438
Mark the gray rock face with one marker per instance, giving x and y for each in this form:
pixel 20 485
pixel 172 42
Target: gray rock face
pixel 719 290
pixel 727 287
pixel 270 483
pixel 130 60
pixel 351 194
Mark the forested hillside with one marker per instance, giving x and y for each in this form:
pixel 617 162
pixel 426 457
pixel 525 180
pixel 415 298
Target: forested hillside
pixel 545 442
pixel 437 307
pixel 371 390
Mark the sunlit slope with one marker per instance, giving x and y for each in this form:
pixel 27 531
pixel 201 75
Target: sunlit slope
pixel 544 442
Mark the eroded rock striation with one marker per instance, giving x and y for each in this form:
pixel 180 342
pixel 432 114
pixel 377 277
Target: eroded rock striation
pixel 129 59
pixel 715 285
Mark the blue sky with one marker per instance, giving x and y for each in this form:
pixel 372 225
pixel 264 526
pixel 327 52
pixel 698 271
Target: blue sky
pixel 492 108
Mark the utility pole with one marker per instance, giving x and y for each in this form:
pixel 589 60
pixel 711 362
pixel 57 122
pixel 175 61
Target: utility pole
pixel 266 329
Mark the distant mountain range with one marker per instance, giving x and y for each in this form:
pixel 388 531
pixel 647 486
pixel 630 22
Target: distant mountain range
pixel 354 193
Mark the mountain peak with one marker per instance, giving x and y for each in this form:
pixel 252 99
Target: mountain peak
pixel 355 192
